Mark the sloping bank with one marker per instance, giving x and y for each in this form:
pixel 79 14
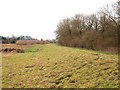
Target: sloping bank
pixel 53 66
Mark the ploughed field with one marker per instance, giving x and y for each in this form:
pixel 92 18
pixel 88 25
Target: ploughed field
pixel 54 66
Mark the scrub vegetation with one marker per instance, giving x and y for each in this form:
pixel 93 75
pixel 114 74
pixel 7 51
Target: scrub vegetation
pixel 99 31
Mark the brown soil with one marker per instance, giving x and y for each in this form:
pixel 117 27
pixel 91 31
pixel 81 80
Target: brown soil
pixel 7 48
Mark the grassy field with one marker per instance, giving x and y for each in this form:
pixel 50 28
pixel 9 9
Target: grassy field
pixel 53 66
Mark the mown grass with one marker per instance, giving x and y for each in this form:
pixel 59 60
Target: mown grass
pixel 53 66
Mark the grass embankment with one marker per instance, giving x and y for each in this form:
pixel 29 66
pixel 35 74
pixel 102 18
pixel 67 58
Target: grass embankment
pixel 53 66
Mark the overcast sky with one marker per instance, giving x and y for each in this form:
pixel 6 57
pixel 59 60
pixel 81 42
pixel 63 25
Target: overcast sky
pixel 39 18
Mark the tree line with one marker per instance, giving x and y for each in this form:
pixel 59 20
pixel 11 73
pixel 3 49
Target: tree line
pixel 13 39
pixel 98 31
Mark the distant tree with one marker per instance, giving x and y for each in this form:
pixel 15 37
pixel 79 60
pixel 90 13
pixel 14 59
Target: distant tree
pixel 13 39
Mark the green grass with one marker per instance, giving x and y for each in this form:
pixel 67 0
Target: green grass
pixel 53 66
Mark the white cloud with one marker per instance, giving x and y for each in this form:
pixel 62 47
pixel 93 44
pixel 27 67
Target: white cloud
pixel 38 18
